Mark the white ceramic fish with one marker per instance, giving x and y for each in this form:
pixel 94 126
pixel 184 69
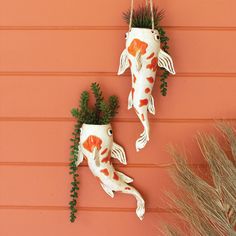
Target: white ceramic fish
pixel 97 146
pixel 143 54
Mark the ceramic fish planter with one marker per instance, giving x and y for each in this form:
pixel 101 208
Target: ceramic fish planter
pixel 143 55
pixel 97 146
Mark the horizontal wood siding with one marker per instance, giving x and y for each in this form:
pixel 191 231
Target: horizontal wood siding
pixel 50 51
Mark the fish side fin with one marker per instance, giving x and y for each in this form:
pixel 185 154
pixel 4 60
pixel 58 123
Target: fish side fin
pixel 130 101
pixel 138 60
pixel 96 157
pixel 151 106
pixel 124 63
pixel 165 61
pixel 118 153
pixel 80 156
pixel 124 177
pixel 107 190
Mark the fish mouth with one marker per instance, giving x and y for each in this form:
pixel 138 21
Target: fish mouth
pixel 92 142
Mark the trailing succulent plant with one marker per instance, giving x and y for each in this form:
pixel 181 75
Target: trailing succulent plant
pixel 207 204
pixel 100 114
pixel 142 19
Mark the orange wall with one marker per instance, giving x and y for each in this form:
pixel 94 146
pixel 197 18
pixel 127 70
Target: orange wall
pixel 51 50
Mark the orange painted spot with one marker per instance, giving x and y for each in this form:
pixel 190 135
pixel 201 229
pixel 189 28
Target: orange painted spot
pixel 143 102
pixel 92 141
pixel 105 171
pixel 134 78
pixel 106 159
pixel 152 55
pixel 137 45
pixel 150 79
pixel 153 65
pixel 115 176
pixel 142 117
pixel 104 151
pixel 147 90
pixel 130 63
pixel 127 188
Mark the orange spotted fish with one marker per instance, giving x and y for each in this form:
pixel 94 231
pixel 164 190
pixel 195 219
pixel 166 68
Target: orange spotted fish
pixel 97 146
pixel 143 55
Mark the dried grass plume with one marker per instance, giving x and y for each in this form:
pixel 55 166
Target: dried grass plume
pixel 207 205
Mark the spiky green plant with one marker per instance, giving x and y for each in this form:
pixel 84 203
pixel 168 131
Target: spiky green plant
pixel 207 205
pixel 142 19
pixel 101 113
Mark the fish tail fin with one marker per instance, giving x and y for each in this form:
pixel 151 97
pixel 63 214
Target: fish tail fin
pixel 151 106
pixel 144 137
pixel 142 141
pixel 130 101
pixel 140 210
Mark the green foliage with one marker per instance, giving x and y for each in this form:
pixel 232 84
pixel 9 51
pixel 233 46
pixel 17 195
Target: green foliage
pixel 165 74
pixel 99 98
pixel 73 168
pixel 113 104
pixel 101 113
pixel 142 19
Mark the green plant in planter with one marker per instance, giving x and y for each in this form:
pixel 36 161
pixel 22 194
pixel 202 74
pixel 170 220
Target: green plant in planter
pixel 142 18
pixel 101 113
pixel 207 203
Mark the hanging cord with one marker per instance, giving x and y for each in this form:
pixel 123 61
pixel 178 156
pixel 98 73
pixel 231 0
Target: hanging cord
pixel 131 14
pixel 151 7
pixel 132 10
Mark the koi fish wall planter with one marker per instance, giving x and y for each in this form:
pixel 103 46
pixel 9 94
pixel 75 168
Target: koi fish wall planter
pixel 143 55
pixel 97 146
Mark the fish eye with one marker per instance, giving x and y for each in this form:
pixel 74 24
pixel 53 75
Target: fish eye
pixel 156 36
pixel 109 131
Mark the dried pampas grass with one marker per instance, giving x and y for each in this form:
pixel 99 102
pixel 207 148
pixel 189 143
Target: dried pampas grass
pixel 207 205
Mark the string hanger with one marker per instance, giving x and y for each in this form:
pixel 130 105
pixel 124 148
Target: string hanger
pixel 132 10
